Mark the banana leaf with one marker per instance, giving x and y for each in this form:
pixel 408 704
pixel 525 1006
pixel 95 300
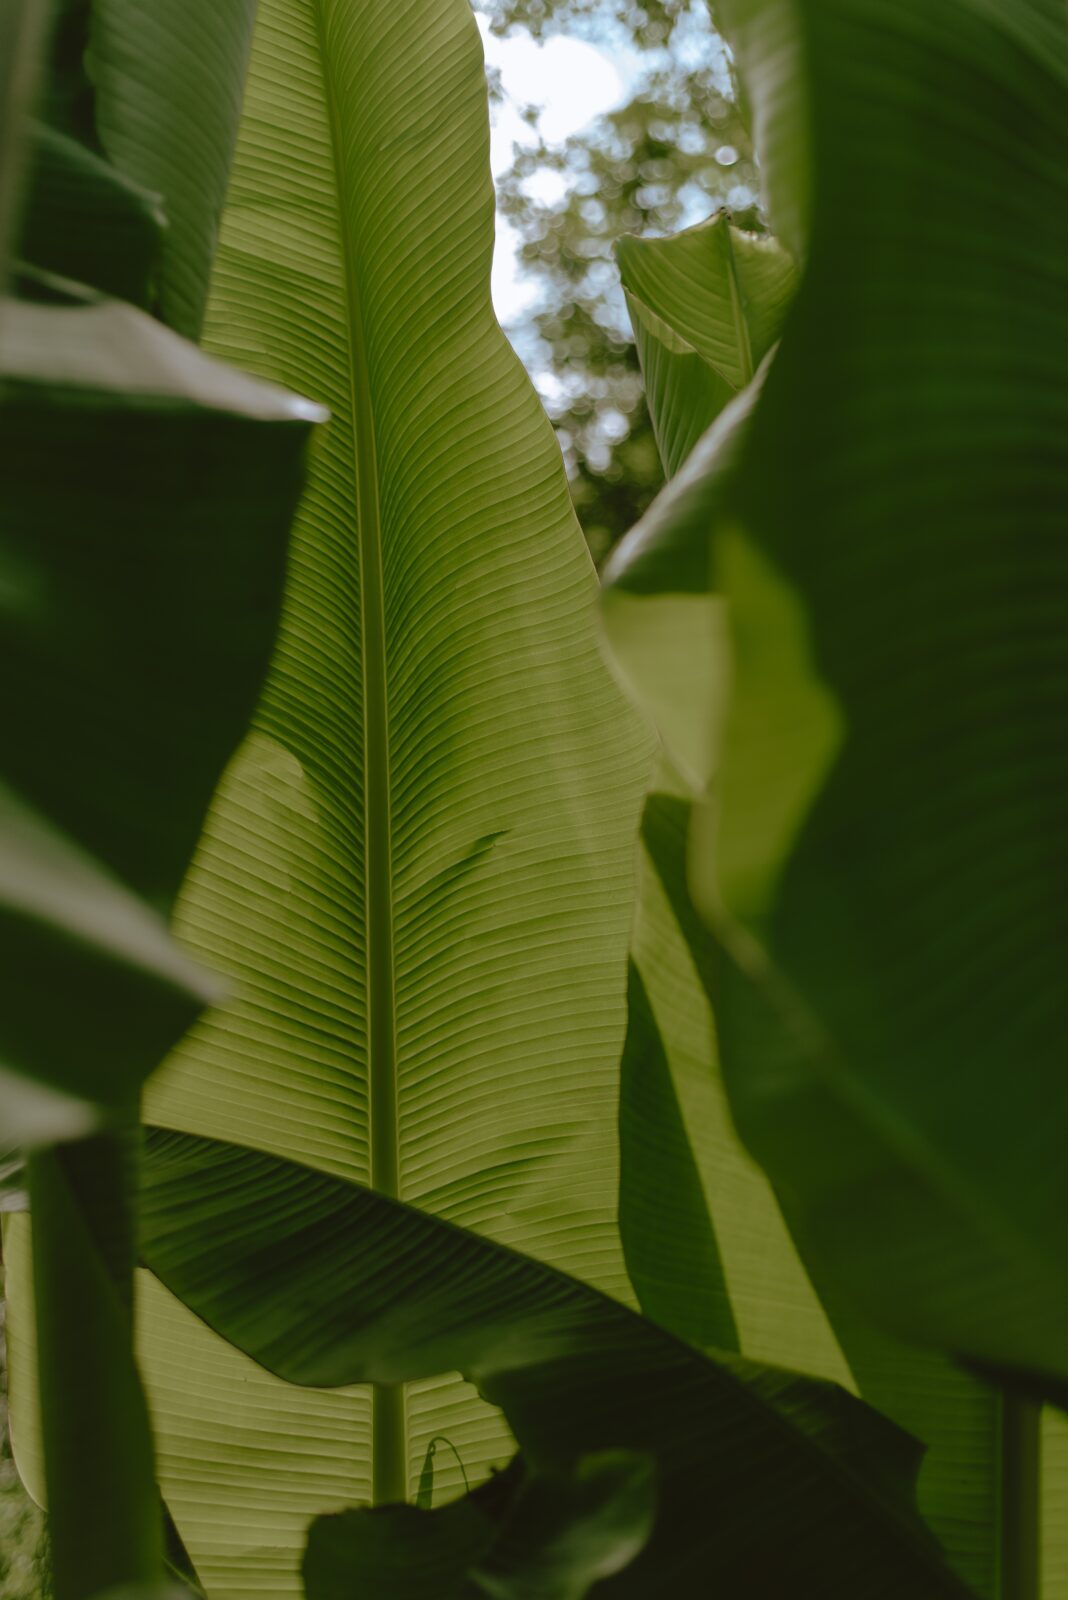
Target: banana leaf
pixel 417 876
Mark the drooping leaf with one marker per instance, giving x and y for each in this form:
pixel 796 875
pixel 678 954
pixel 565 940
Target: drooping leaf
pixel 418 873
pixel 715 293
pixel 135 682
pixel 517 1537
pixel 763 1478
pixel 136 677
pixel 703 1236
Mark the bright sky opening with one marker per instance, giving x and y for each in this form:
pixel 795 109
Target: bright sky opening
pixel 571 82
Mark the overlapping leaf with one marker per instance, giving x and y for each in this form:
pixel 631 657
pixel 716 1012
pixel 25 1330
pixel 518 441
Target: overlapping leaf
pixel 84 222
pixel 134 679
pixel 925 1017
pixel 142 101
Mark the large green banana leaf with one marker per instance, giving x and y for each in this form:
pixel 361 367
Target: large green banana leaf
pixel 765 1481
pixel 886 536
pixel 418 874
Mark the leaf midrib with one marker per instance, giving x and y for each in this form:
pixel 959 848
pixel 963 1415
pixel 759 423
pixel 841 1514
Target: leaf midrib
pixel 741 326
pixel 389 1430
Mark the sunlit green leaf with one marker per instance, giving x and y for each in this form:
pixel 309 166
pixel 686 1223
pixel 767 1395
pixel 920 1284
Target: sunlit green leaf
pixel 418 872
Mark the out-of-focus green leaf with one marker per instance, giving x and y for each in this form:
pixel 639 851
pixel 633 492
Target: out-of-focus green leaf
pixel 769 47
pixel 517 1537
pixel 894 1015
pixel 764 1478
pixel 69 927
pixel 705 1245
pixel 418 873
pixel 885 860
pixel 1053 1499
pixel 139 592
pixel 86 222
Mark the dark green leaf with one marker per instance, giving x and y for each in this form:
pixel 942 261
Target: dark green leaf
pixel 22 26
pixel 84 221
pixel 518 1537
pixel 167 83
pixel 139 593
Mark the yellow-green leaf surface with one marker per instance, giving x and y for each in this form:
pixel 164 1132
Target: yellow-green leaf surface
pixel 1054 1497
pixel 418 873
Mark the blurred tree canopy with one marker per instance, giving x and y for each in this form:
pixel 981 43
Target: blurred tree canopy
pixel 673 155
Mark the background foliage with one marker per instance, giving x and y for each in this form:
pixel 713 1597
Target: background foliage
pixel 676 152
